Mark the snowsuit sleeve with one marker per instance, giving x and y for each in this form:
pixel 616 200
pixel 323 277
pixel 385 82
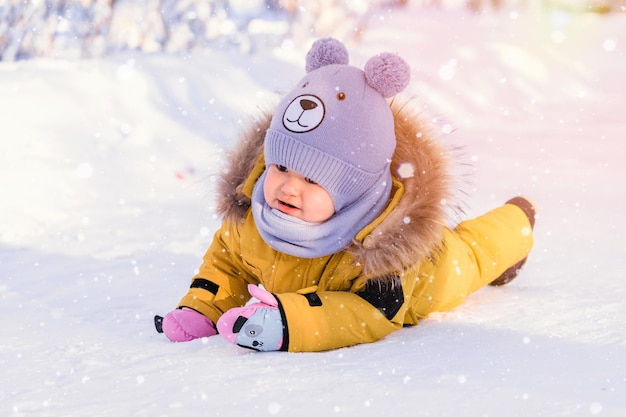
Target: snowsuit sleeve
pixel 221 283
pixel 326 320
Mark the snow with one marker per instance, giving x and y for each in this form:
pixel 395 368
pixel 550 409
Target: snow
pixel 106 187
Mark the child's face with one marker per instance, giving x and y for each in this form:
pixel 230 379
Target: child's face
pixel 297 196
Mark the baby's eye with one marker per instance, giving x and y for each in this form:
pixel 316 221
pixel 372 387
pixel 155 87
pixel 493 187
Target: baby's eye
pixel 281 168
pixel 310 181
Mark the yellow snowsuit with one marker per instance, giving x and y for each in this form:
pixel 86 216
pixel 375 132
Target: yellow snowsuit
pixel 332 301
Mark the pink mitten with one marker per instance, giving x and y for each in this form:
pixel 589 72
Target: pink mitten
pixel 257 326
pixel 186 324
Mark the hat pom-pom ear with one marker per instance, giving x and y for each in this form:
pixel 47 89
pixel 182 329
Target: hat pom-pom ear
pixel 387 73
pixel 326 51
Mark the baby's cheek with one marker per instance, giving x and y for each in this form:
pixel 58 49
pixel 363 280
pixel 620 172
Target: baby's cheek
pixel 322 204
pixel 268 189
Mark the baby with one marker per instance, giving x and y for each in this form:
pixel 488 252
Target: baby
pixel 334 221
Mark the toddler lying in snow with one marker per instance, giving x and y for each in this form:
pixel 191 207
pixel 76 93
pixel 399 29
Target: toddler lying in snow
pixel 335 205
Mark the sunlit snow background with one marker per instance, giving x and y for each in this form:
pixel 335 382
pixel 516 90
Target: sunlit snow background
pixel 106 166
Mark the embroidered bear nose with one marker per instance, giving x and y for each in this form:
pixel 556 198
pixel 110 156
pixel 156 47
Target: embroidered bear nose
pixel 307 104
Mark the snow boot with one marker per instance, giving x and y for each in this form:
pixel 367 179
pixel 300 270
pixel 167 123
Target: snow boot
pixel 510 274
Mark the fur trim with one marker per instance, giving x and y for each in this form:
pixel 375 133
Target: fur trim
pixel 410 232
pixel 414 229
pixel 232 203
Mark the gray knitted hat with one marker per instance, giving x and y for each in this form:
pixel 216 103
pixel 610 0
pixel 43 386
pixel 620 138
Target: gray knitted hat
pixel 336 127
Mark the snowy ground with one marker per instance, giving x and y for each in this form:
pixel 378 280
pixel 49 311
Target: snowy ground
pixel 105 213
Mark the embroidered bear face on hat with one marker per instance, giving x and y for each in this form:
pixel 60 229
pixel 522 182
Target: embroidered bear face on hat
pixel 336 127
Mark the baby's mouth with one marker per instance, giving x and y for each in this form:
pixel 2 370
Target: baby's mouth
pixel 287 208
pixel 287 204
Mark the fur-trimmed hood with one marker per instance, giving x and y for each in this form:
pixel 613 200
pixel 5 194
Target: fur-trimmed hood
pixel 409 232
